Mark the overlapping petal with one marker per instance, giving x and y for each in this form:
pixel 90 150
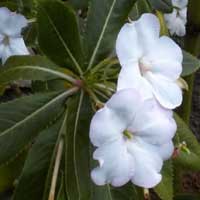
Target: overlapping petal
pixel 112 124
pixel 116 164
pixel 136 37
pixel 130 77
pixel 168 93
pixel 116 115
pixel 122 158
pixel 160 57
pixel 127 46
pixel 148 164
pixel 154 130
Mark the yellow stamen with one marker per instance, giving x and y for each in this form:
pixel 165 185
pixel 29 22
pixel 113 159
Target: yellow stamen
pixel 128 134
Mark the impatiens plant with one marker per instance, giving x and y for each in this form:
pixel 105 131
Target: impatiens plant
pixel 96 122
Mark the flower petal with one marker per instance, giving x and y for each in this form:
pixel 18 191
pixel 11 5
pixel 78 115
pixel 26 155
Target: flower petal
pixel 176 24
pixel 170 58
pixel 4 14
pixel 12 23
pixel 130 77
pixel 167 92
pixel 166 150
pixel 163 151
pixel 148 30
pixel 16 47
pixel 147 164
pixel 180 3
pixel 109 123
pixel 134 38
pixel 116 164
pixel 153 123
pixel 127 46
pixel 125 104
pixel 105 127
pixel 183 14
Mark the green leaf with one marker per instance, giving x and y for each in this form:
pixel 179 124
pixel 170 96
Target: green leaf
pixel 184 134
pixel 21 120
pixel 77 154
pixel 105 19
pixel 187 197
pixel 162 5
pixel 39 161
pixel 59 35
pixel 32 68
pixel 11 171
pixel 190 64
pixel 79 4
pixel 127 192
pixel 61 193
pixel 165 188
pixel 139 8
pixel 78 157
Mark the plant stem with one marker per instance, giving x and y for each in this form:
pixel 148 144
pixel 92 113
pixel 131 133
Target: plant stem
pixel 56 170
pixel 192 45
pixel 58 157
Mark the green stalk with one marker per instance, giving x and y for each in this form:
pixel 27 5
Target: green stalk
pixel 192 46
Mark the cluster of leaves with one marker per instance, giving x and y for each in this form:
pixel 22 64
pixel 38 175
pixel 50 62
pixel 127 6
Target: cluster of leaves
pixel 73 70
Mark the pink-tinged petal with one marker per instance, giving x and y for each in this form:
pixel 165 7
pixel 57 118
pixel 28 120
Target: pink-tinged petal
pixel 166 52
pixel 127 44
pixel 130 77
pixel 170 69
pixel 116 164
pixel 105 127
pixel 153 123
pixel 167 92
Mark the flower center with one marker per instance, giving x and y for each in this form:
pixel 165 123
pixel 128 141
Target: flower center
pixel 144 66
pixel 128 135
pixel 6 40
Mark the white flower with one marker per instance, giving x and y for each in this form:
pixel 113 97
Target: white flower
pixel 177 20
pixel 150 64
pixel 11 41
pixel 133 138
